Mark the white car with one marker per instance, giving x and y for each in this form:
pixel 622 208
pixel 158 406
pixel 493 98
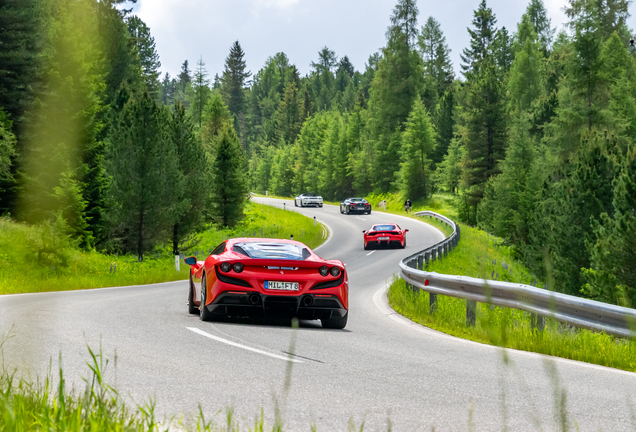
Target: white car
pixel 304 200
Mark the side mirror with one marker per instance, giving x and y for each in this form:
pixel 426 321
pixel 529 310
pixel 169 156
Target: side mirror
pixel 190 261
pixel 406 230
pixel 364 231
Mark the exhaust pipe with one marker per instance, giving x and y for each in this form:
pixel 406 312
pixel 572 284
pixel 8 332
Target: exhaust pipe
pixel 307 300
pixel 255 299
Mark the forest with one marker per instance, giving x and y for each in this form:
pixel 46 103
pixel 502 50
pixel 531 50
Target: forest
pixel 532 135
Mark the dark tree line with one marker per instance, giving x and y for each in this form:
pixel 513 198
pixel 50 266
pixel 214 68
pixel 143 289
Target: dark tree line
pixel 85 137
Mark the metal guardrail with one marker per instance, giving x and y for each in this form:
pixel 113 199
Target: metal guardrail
pixel 576 311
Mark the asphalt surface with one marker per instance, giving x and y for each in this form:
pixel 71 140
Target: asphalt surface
pixel 382 369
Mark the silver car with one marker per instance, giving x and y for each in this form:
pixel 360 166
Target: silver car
pixel 307 199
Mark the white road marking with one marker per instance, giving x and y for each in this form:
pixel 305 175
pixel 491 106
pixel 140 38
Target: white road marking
pixel 245 347
pixel 330 211
pixel 370 253
pixel 359 218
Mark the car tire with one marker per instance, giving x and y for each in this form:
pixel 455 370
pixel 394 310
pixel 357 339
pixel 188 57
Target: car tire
pixel 320 206
pixel 404 244
pixel 369 212
pixel 295 203
pixel 336 322
pixel 204 313
pixel 347 211
pixel 192 308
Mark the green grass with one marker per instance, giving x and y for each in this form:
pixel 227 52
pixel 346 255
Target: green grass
pixel 510 328
pixel 35 259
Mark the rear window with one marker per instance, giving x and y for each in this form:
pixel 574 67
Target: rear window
pixel 357 199
pixel 384 228
pixel 271 250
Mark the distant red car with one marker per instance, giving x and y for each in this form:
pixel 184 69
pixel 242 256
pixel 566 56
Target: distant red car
pixel 248 277
pixel 385 235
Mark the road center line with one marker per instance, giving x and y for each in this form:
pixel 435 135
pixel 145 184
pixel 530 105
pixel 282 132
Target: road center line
pixel 245 347
pixel 359 218
pixel 370 253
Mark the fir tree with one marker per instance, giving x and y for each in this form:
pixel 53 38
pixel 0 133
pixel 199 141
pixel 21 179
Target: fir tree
pixel 193 167
pixel 418 141
pixel 444 125
pixel 327 61
pixel 215 117
pixel 228 188
pixel 146 181
pixel 538 16
pixel 199 93
pixel 7 148
pixel 481 38
pixel 147 52
pixel 436 55
pixel 235 77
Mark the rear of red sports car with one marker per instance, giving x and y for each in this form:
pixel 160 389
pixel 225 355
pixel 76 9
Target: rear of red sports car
pixel 257 277
pixel 385 235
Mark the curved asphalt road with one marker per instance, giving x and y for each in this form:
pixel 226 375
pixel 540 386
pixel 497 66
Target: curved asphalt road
pixel 380 369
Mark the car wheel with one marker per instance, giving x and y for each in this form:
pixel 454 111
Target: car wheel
pixel 347 211
pixel 369 212
pixel 404 245
pixel 204 313
pixel 320 206
pixel 192 308
pixel 295 203
pixel 335 322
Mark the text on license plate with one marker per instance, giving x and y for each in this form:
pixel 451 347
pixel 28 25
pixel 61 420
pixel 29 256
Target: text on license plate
pixel 383 238
pixel 287 286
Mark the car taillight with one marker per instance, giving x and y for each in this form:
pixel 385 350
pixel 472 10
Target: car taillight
pixel 335 271
pixel 225 267
pixel 238 267
pixel 324 271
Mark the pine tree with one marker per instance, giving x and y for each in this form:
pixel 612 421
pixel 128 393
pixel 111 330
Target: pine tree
pixel 397 83
pixel 290 114
pixel 612 276
pixel 449 173
pixel 215 117
pixel 193 167
pixel 436 55
pixel 611 15
pixel 444 125
pixel 538 16
pixel 235 77
pixel 147 52
pixel 146 180
pixel 481 39
pixel 527 73
pixel 418 141
pixel 327 61
pixel 199 93
pixel 228 188
pixel 502 46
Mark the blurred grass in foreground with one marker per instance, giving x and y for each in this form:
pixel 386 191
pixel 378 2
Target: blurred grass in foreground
pixel 37 259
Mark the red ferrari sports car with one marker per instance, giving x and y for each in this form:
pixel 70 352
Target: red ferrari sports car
pixel 385 235
pixel 247 277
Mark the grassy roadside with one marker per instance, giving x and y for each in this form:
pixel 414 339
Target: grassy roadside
pixel 60 267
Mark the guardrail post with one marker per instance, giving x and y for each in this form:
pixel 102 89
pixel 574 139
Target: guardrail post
pixel 537 322
pixel 420 262
pixel 471 312
pixel 432 301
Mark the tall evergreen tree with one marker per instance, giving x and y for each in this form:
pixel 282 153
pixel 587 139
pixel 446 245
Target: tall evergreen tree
pixel 228 188
pixel 147 52
pixel 235 77
pixel 146 180
pixel 444 125
pixel 481 38
pixel 436 55
pixel 215 117
pixel 396 85
pixel 418 141
pixel 542 25
pixel 196 179
pixel 327 61
pixel 199 93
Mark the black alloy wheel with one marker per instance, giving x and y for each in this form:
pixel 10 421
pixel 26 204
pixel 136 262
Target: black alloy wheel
pixel 204 313
pixel 335 322
pixel 192 308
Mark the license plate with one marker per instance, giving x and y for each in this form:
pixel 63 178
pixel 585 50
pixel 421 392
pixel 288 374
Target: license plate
pixel 360 208
pixel 383 238
pixel 287 286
